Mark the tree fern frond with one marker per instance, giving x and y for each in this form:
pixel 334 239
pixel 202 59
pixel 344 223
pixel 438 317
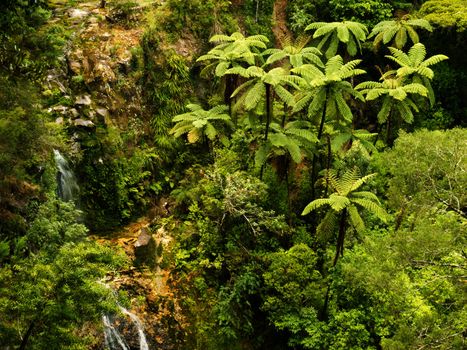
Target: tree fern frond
pixel 434 60
pixel 339 202
pixel 284 95
pixel 254 95
pixel 210 131
pixel 333 64
pixel 385 110
pixel 366 194
pixel 355 219
pixel 343 33
pixel 343 108
pixel 328 226
pixel 317 203
pixel 417 54
pixel 241 87
pixel 420 22
pixel 276 56
pixel 194 135
pixel 359 182
pixel 401 37
pixel 372 207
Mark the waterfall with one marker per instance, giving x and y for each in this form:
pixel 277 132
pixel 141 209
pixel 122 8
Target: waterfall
pixel 115 340
pixel 67 187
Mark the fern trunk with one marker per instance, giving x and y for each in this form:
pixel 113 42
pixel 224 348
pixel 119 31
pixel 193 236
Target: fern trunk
pixel 268 111
pixel 315 157
pixel 341 237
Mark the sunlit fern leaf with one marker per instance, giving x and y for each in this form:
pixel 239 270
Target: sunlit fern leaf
pixel 367 195
pixel 317 103
pixel 401 37
pixel 254 95
pixel 357 183
pixel 306 135
pixel 333 64
pixel 241 87
pixel 276 56
pixel 317 203
pixel 343 108
pixel 285 95
pixel 328 226
pixel 343 34
pixel 210 131
pixel 385 110
pixel 302 99
pixel 294 151
pixel 194 135
pixel 355 219
pixel 339 202
pixel 372 207
pixel 179 130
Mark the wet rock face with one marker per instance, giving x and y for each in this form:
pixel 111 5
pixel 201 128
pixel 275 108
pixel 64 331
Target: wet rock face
pixel 145 249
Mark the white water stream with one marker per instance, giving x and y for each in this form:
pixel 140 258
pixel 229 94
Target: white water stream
pixel 67 186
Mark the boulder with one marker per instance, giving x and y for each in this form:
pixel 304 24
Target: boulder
pixel 84 100
pixel 82 122
pixel 77 13
pixel 145 249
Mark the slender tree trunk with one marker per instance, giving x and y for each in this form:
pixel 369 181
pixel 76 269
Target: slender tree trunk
pixel 268 121
pixel 388 131
pixel 315 157
pixel 228 92
pixel 328 165
pixel 324 311
pixel 340 238
pixel 339 251
pixel 268 111
pixel 323 118
pixel 25 340
pixel 289 206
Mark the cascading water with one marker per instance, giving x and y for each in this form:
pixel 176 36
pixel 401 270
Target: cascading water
pixel 67 187
pixel 115 339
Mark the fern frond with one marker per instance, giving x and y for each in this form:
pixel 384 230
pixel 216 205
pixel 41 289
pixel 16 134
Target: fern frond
pixel 401 37
pixel 355 219
pixel 372 207
pixel 254 95
pixel 343 33
pixel 343 108
pixel 328 226
pixel 317 203
pixel 276 56
pixel 194 135
pixel 422 23
pixel 385 110
pixel 434 60
pixel 417 54
pixel 339 202
pixel 366 194
pixel 359 182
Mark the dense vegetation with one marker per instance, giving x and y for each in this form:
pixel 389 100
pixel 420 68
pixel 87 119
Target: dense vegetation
pixel 315 178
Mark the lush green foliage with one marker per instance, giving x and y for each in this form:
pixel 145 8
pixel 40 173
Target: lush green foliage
pixel 268 192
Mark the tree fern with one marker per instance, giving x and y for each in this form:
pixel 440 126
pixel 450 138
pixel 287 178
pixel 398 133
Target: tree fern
pixel 344 203
pixel 297 53
pixel 414 66
pixel 351 34
pixel 199 123
pixel 398 31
